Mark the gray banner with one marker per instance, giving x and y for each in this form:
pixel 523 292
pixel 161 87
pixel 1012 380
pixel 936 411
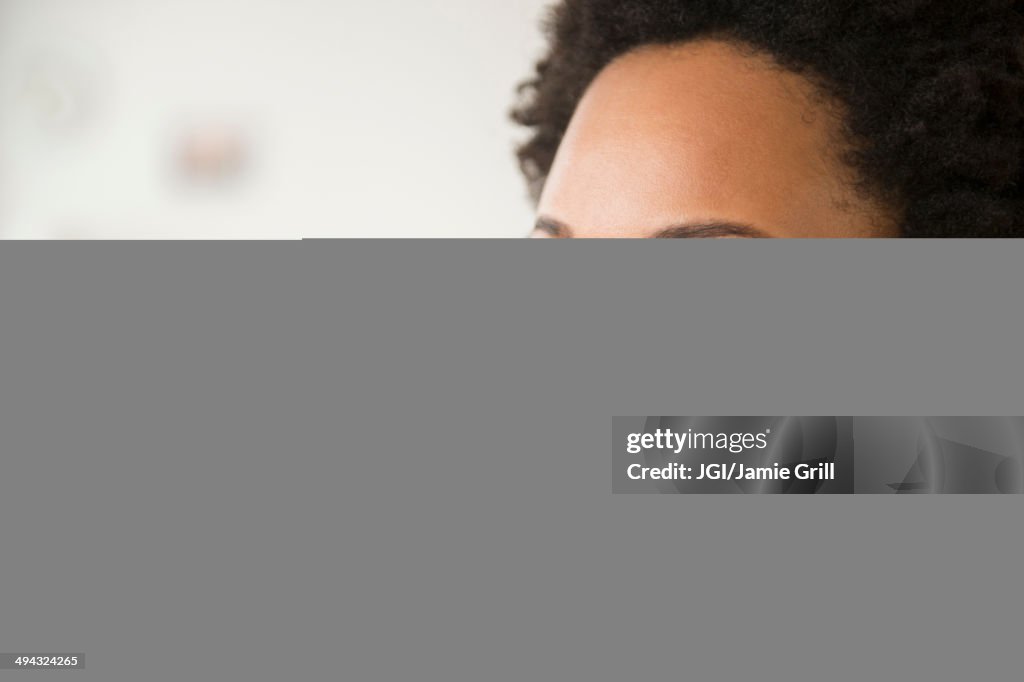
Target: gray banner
pixel 389 460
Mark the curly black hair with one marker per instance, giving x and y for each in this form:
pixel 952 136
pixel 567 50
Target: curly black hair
pixel 933 90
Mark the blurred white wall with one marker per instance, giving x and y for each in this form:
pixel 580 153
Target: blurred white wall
pixel 262 118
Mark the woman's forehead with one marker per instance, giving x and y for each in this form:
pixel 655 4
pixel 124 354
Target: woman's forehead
pixel 696 132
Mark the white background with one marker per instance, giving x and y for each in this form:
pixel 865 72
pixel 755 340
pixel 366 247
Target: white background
pixel 356 119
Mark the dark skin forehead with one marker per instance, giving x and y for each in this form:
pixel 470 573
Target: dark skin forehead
pixel 705 140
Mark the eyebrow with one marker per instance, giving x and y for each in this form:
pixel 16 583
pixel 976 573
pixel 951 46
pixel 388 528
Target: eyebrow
pixel 701 230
